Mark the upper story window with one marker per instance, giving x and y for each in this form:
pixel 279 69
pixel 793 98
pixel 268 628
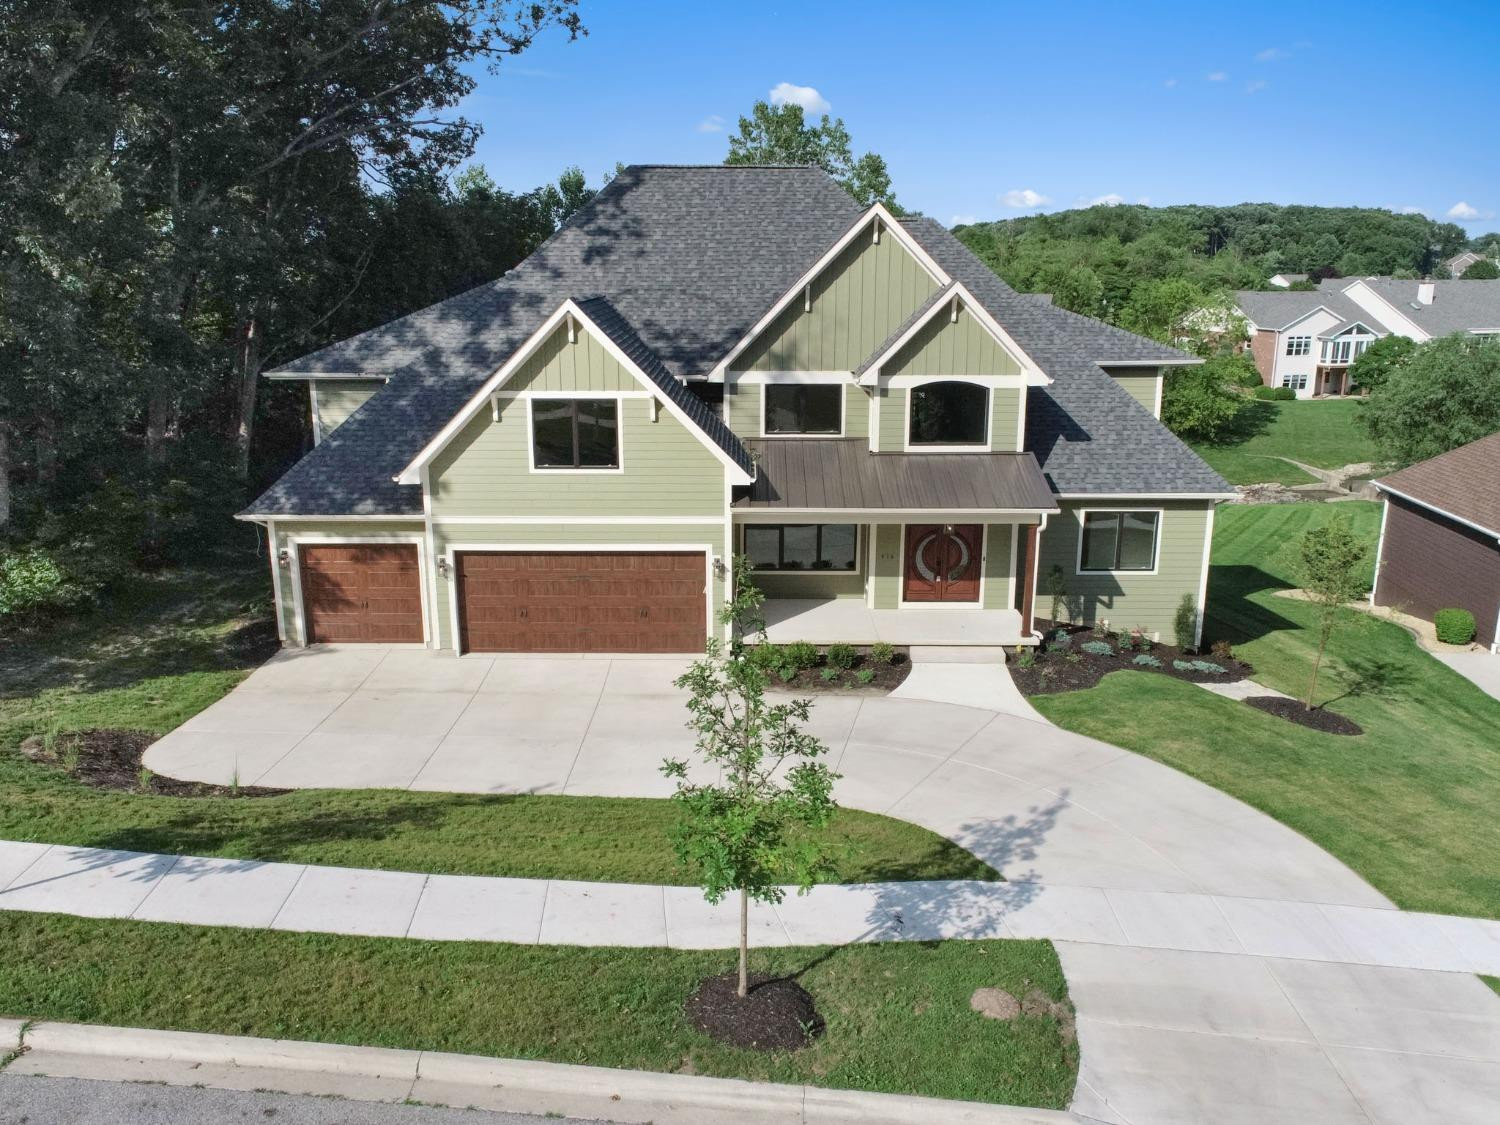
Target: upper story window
pixel 575 433
pixel 804 408
pixel 1118 541
pixel 949 413
pixel 1298 345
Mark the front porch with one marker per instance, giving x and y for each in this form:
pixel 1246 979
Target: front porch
pixel 851 621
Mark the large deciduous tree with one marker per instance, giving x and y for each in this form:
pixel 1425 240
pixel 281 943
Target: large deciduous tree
pixel 1444 394
pixel 781 135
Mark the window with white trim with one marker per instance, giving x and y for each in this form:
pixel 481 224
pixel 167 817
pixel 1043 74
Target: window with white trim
pixel 1297 380
pixel 1118 541
pixel 1299 345
pixel 949 413
pixel 802 546
pixel 575 433
pixel 804 408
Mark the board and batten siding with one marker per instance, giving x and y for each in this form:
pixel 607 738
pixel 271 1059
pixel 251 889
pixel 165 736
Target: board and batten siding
pixel 580 365
pixel 862 296
pixel 305 531
pixel 1128 599
pixel 1141 383
pixel 997 566
pixel 743 402
pixel 1006 404
pixel 336 399
pixel 565 536
pixel 944 346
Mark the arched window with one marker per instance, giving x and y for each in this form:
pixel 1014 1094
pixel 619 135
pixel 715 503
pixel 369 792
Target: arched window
pixel 949 413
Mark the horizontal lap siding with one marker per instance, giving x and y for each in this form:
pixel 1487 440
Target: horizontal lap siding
pixel 1142 388
pixel 863 296
pixel 1005 419
pixel 1428 563
pixel 339 398
pixel 887 582
pixel 1128 599
pixel 892 422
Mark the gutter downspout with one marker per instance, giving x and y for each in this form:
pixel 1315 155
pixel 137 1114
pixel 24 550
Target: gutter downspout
pixel 1033 561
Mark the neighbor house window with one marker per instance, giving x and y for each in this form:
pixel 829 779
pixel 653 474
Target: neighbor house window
pixel 1119 541
pixel 1297 380
pixel 575 433
pixel 802 546
pixel 804 408
pixel 949 413
pixel 1299 345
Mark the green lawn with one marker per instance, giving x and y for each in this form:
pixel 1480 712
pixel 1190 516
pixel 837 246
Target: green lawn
pixel 1323 434
pixel 898 1015
pixel 1410 804
pixel 166 649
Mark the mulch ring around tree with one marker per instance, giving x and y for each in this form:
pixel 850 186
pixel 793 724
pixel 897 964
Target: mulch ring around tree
pixel 111 759
pixel 1293 711
pixel 777 1015
pixel 1072 657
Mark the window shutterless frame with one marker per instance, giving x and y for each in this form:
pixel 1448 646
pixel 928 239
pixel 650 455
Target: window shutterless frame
pixel 573 406
pixel 781 567
pixel 1156 515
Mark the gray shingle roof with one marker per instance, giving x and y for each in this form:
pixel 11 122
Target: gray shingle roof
pixel 688 258
pixel 938 297
pixel 1278 308
pixel 1457 306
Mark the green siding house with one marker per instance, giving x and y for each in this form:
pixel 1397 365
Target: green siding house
pixel 720 366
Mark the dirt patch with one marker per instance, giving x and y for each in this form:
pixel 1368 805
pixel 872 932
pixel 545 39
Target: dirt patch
pixel 823 678
pixel 111 759
pixel 777 1015
pixel 1292 710
pixel 1070 659
pixel 254 642
pixel 995 1004
pixel 998 1004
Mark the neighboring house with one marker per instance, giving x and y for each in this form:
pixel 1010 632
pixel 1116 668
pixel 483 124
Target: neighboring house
pixel 1440 537
pixel 1459 264
pixel 1285 280
pixel 708 362
pixel 1307 340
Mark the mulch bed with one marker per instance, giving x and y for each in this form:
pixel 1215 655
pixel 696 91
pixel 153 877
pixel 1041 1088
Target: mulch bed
pixel 887 677
pixel 1054 671
pixel 1292 710
pixel 777 1015
pixel 111 759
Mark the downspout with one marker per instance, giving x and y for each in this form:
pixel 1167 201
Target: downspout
pixel 1034 562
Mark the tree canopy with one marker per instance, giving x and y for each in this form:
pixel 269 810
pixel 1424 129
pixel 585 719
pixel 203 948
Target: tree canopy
pixel 781 135
pixel 1444 394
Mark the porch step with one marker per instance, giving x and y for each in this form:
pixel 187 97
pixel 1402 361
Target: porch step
pixel 957 654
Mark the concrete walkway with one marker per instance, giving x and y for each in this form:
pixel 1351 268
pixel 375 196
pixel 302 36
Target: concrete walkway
pixel 1482 669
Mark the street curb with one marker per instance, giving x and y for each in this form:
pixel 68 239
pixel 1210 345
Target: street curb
pixel 185 1058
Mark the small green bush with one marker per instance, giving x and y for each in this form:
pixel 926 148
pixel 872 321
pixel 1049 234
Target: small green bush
pixel 1098 648
pixel 766 657
pixel 1185 622
pixel 1146 660
pixel 1275 394
pixel 1206 666
pixel 865 675
pixel 840 657
pixel 1454 626
pixel 882 653
pixel 830 675
pixel 1183 665
pixel 800 655
pixel 1025 657
pixel 1074 658
pixel 32 585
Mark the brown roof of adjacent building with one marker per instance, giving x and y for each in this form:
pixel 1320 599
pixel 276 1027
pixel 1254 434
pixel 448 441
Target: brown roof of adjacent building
pixel 1464 482
pixel 830 474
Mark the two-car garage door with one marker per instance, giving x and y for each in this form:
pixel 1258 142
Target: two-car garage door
pixel 581 601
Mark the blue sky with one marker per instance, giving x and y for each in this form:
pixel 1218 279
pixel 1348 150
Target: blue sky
pixel 989 110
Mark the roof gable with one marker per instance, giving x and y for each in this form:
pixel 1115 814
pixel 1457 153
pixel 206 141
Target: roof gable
pixel 950 322
pixel 1463 483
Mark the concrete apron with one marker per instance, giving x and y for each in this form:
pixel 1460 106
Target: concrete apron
pixel 177 1058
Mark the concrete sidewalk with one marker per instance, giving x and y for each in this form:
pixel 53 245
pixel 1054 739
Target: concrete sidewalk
pixel 285 896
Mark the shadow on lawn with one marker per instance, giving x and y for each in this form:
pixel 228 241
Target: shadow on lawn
pixel 1232 615
pixel 1255 418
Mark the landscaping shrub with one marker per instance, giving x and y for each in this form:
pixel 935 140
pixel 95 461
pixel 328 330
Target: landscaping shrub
pixel 1454 626
pixel 767 657
pixel 1276 394
pixel 1222 650
pixel 799 655
pixel 1185 623
pixel 1183 665
pixel 830 674
pixel 1098 648
pixel 840 657
pixel 33 585
pixel 1146 660
pixel 1206 666
pixel 1025 657
pixel 882 653
pixel 865 675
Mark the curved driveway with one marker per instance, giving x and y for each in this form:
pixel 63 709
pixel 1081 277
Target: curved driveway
pixel 1272 1002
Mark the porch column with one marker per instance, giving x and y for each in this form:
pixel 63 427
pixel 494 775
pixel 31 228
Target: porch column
pixel 1344 385
pixel 1028 580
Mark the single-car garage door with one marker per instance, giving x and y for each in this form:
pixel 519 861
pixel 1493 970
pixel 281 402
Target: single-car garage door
pixel 570 601
pixel 370 592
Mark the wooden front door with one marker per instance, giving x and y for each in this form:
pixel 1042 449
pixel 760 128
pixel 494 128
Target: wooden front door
pixel 582 601
pixel 943 562
pixel 362 592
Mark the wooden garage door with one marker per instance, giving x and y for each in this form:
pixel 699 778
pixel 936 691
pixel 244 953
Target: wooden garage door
pixel 568 601
pixel 368 592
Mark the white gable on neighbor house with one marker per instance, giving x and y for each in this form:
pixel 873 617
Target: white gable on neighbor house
pixel 1386 315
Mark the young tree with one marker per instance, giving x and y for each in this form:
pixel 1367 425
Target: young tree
pixel 1198 403
pixel 781 135
pixel 754 828
pixel 1330 568
pixel 1446 393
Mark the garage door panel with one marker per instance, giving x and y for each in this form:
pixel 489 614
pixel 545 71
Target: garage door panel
pixel 361 593
pixel 582 601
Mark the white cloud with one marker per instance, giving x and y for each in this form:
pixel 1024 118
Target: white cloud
pixel 784 93
pixel 1412 211
pixel 713 123
pixel 1462 210
pixel 1169 83
pixel 962 220
pixel 1272 54
pixel 1022 198
pixel 1144 201
pixel 1217 76
pixel 1254 86
pixel 1113 199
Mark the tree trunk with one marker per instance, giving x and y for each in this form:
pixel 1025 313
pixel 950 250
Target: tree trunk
pixel 4 476
pixel 46 447
pixel 158 409
pixel 744 989
pixel 1317 663
pixel 249 383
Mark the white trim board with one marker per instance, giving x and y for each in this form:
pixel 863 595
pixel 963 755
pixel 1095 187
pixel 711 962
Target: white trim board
pixel 886 515
pixel 1491 532
pixel 1161 518
pixel 568 309
pixel 985 446
pixel 843 390
pixel 563 470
